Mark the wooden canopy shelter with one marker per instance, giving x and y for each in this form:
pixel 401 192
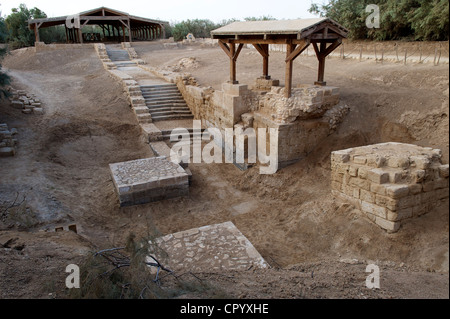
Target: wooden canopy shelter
pixel 116 26
pixel 323 33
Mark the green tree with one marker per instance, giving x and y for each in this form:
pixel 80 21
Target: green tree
pixel 3 31
pixel 430 21
pixel 4 78
pixel 19 33
pixel 199 28
pixel 262 18
pixel 417 19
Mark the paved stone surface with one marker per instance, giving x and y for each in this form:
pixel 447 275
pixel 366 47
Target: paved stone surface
pixel 214 247
pixel 147 180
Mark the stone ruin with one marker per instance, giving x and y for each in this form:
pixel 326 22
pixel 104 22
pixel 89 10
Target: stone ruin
pixel 210 248
pixel 7 141
pixel 26 102
pixel 390 182
pixel 302 121
pixel 148 180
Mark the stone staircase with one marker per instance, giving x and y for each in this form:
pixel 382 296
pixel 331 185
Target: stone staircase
pixel 165 102
pixel 167 133
pixel 120 57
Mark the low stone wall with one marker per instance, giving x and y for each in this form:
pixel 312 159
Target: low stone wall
pixel 132 53
pixel 390 182
pixel 7 141
pixel 41 46
pixel 100 48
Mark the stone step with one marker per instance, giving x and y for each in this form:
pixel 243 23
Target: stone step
pixel 163 103
pixel 161 95
pixel 158 86
pixel 167 133
pixel 164 98
pixel 172 117
pixel 169 108
pixel 171 112
pixel 160 89
pixel 168 105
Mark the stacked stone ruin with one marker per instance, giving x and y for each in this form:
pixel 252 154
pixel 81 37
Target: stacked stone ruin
pixel 26 102
pixel 390 182
pixel 7 141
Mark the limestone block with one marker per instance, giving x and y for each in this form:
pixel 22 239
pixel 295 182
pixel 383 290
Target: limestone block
pixel 374 209
pixel 38 111
pixel 397 191
pixel 388 225
pixel 444 171
pixel 152 132
pixel 17 104
pixel 378 176
pixel 234 89
pixel 7 152
pixel 400 214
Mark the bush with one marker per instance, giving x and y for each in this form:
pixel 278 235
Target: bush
pixel 418 19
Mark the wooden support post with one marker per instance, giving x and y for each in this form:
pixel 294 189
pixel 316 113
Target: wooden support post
pixel 233 64
pixel 233 54
pixel 129 31
pixel 67 34
pixel 322 54
pixel 289 66
pixel 36 32
pixel 80 35
pixel 263 49
pixel 163 32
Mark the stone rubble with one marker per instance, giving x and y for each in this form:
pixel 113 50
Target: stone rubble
pixel 26 102
pixel 7 141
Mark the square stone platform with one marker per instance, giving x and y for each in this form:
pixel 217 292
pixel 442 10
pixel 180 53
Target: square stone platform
pixel 148 180
pixel 210 248
pixel 390 182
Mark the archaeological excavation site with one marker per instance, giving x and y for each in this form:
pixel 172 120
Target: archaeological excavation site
pixel 256 163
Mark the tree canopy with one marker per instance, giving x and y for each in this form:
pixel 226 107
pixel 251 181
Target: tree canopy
pixel 4 78
pixel 16 23
pixel 399 19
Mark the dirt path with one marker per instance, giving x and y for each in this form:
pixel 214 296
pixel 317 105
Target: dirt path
pixel 62 167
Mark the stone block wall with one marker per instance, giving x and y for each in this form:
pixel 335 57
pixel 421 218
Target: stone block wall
pixel 390 182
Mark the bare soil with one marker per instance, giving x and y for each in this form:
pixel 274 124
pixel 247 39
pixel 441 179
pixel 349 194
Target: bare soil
pixel 317 248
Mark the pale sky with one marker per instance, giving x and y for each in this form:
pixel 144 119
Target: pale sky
pixel 175 10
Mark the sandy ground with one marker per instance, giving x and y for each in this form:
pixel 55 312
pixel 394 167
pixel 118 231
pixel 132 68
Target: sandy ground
pixel 316 247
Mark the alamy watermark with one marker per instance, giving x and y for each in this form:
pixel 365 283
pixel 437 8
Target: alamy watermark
pixel 73 21
pixel 373 280
pixel 226 146
pixel 373 20
pixel 73 280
